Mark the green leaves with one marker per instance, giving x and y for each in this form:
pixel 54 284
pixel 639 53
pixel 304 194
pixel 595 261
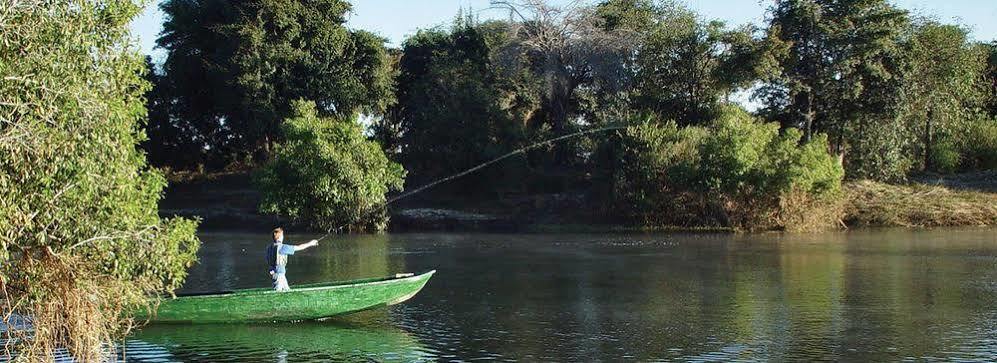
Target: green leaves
pixel 686 67
pixel 233 69
pixel 839 71
pixel 737 165
pixel 327 174
pixel 455 108
pixel 69 165
pixel 943 91
pixel 76 196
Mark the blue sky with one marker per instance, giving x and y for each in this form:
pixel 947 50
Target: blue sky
pixel 396 19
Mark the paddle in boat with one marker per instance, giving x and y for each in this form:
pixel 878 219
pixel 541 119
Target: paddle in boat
pixel 303 302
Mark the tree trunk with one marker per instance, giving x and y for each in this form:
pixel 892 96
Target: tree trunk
pixel 558 105
pixel 928 139
pixel 558 121
pixel 808 118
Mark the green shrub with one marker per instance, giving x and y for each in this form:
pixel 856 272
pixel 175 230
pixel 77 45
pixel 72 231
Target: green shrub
pixel 978 145
pixel 879 149
pixel 743 155
pixel 81 242
pixel 327 174
pixel 749 168
pixel 946 156
pixel 736 173
pixel 658 163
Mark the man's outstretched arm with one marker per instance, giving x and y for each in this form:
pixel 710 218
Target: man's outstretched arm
pixel 311 243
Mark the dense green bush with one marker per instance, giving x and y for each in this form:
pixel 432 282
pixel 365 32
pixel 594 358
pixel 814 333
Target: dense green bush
pixel 945 155
pixel 880 148
pixel 327 174
pixel 658 164
pixel 969 145
pixel 977 145
pixel 737 173
pixel 81 242
pixel 742 154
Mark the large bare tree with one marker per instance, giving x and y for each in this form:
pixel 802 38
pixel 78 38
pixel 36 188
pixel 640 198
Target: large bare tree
pixel 567 49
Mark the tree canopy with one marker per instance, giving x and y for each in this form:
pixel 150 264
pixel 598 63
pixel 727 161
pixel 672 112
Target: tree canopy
pixel 842 74
pixel 233 67
pixel 568 56
pixel 454 110
pixel 942 88
pixel 686 67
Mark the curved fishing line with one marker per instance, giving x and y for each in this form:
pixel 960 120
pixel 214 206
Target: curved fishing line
pixel 518 151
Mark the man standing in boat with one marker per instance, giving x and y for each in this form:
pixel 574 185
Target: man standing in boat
pixel 277 258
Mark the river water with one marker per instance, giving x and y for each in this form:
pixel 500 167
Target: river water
pixel 859 295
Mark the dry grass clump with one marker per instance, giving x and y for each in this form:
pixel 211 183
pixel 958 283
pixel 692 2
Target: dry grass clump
pixel 917 205
pixel 792 211
pixel 803 212
pixel 81 312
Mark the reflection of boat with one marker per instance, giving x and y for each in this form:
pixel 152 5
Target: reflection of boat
pixel 280 342
pixel 303 302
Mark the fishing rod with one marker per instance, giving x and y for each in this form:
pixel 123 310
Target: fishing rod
pixel 518 151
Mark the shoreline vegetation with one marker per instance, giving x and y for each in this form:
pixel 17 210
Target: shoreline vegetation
pixel 226 201
pixel 81 242
pixel 875 204
pixel 846 92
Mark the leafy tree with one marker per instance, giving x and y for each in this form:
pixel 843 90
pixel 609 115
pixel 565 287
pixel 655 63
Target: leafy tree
pixel 453 111
pixel 991 76
pixel 839 75
pixel 942 88
pixel 634 15
pixel 327 174
pixel 687 68
pixel 234 66
pixel 683 69
pixel 172 141
pixel 81 242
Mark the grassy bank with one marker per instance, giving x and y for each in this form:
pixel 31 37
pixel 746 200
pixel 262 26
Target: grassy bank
pixel 917 205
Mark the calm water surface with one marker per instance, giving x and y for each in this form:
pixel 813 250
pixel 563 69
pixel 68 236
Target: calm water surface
pixel 861 295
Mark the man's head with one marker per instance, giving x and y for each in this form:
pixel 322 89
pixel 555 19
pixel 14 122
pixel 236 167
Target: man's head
pixel 278 235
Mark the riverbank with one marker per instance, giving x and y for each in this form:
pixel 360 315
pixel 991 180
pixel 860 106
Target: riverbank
pixel 917 205
pixel 227 201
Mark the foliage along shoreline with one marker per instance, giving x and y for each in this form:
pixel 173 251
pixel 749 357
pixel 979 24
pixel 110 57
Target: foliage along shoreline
pixel 81 242
pixel 849 90
pixel 862 204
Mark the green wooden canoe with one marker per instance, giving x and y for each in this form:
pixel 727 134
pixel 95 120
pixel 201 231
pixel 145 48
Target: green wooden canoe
pixel 303 302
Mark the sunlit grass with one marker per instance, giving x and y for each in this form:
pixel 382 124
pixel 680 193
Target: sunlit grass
pixel 917 205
